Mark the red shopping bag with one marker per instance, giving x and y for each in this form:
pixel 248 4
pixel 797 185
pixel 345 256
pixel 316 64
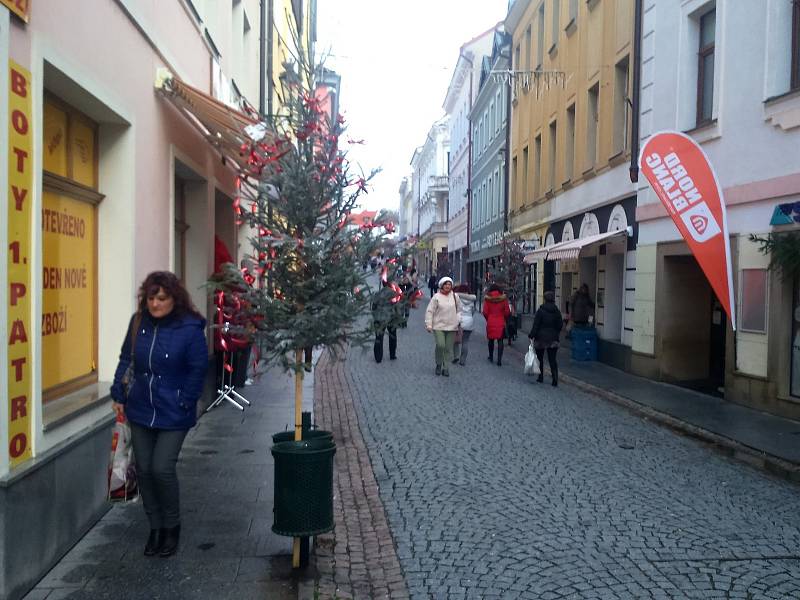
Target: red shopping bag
pixel 121 466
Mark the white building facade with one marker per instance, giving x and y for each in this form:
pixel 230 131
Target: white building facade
pixel 458 102
pixel 728 74
pixel 430 184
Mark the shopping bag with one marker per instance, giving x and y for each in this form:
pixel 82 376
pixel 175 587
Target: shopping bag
pixel 531 361
pixel 121 467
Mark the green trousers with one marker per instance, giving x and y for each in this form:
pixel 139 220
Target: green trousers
pixel 444 347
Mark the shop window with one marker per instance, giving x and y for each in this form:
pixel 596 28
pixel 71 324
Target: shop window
pixel 794 388
pixel 754 300
pixel 705 68
pixel 69 250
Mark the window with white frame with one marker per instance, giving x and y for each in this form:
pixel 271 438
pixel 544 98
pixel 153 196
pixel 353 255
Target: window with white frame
pixel 491 120
pixel 705 68
pixel 498 114
pixel 754 300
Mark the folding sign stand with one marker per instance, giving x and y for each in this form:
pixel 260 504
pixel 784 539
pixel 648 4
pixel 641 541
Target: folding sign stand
pixel 227 392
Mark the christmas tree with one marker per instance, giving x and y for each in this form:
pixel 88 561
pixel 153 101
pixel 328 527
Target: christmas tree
pixel 302 285
pixel 509 269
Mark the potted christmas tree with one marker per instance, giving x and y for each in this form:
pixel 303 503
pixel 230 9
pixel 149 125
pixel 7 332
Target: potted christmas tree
pixel 303 285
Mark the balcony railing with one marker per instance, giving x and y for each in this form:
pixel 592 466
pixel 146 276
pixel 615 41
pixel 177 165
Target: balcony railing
pixel 438 183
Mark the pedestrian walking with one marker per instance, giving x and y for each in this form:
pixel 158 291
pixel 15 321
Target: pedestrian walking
pixel 442 318
pixel 163 362
pixel 468 301
pixel 496 310
pixel 385 318
pixel 408 298
pixel 545 333
pixel 432 284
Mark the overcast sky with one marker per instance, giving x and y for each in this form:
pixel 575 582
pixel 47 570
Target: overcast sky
pixel 396 60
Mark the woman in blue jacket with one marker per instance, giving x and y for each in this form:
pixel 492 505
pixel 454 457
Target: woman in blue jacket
pixel 170 358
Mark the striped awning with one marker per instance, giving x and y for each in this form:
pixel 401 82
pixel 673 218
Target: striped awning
pixel 541 253
pixel 572 249
pixel 223 126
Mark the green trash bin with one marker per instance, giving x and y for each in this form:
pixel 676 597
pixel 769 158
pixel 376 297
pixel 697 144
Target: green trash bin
pixel 311 434
pixel 303 487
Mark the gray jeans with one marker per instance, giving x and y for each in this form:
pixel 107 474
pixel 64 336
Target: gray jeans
pixel 156 452
pixel 461 349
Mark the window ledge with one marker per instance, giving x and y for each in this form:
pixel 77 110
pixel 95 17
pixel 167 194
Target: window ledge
pixel 592 3
pixel 571 27
pixel 783 111
pixel 553 51
pixel 705 132
pixel 566 184
pixel 61 411
pixel 589 173
pixel 618 158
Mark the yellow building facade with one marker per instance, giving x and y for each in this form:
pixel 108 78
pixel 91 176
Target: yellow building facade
pixel 570 149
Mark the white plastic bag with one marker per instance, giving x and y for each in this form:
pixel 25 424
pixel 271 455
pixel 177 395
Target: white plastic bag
pixel 531 362
pixel 121 468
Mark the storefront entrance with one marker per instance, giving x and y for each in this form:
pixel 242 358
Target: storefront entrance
pixel 794 388
pixel 693 328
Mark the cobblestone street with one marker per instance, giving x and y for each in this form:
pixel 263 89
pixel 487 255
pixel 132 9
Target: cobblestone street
pixel 497 487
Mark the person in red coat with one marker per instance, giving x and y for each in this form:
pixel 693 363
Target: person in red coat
pixel 496 310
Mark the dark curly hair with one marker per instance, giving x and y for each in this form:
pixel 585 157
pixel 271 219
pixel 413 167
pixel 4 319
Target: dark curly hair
pixel 173 287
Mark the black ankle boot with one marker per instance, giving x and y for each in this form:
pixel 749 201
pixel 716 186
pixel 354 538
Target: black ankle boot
pixel 153 545
pixel 169 545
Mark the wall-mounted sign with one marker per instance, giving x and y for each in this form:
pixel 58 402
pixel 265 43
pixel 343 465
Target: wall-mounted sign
pixel 21 8
pixel 20 186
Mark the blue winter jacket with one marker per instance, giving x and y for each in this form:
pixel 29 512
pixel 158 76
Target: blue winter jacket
pixel 171 358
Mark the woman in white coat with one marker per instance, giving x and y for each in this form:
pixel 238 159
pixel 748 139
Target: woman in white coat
pixel 468 301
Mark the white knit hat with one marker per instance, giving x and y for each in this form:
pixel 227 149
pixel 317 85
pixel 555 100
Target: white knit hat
pixel 444 280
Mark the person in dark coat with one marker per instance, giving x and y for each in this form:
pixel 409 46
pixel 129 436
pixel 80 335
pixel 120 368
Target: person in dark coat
pixel 433 285
pixel 386 316
pixel 581 309
pixel 166 343
pixel 545 333
pixel 496 310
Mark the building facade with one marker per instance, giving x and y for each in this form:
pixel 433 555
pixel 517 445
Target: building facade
pixel 458 104
pixel 112 177
pixel 570 151
pixel 430 184
pixel 727 74
pixel 489 170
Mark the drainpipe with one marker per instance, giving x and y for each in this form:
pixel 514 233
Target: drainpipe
pixel 507 190
pixel 469 160
pixel 270 58
pixel 637 77
pixel 262 60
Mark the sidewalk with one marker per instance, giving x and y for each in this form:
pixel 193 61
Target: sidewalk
pixel 227 547
pixel 763 440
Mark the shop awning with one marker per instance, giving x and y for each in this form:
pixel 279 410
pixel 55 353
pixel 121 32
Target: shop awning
pixel 225 128
pixel 541 253
pixel 572 249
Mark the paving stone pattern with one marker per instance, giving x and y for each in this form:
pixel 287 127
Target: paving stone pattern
pixel 498 487
pixel 227 548
pixel 357 559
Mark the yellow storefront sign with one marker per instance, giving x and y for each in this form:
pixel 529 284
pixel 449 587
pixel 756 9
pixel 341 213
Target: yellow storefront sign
pixel 68 282
pixel 20 185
